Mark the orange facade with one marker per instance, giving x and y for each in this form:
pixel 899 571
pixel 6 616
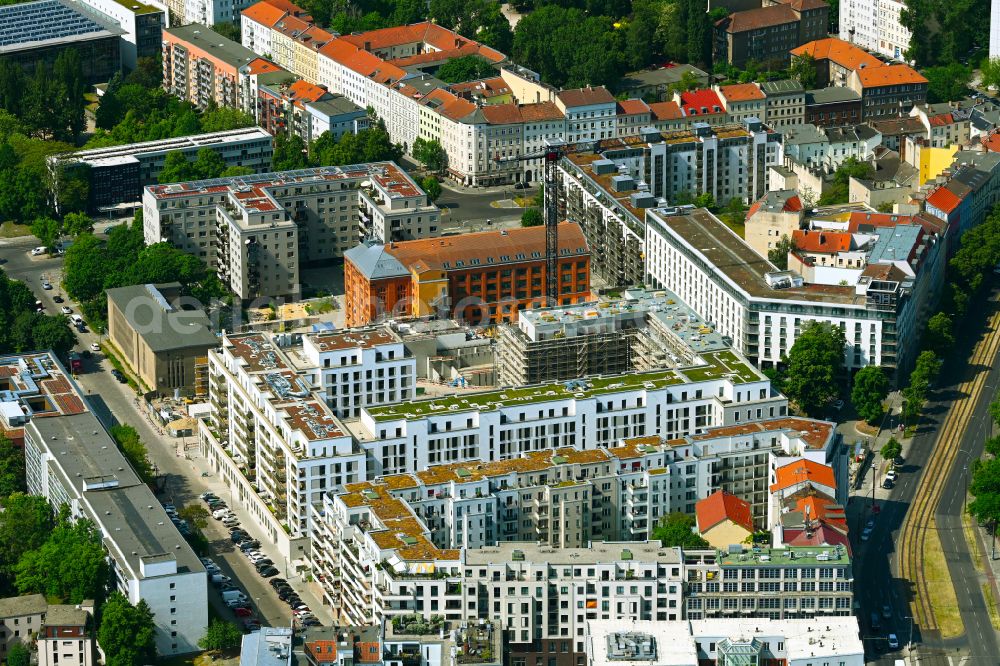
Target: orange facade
pixel 367 301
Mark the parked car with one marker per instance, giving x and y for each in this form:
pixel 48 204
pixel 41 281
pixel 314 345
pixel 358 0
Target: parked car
pixel 220 578
pixel 891 475
pixel 117 374
pixel 886 611
pixel 38 250
pixel 866 534
pixel 275 582
pixel 57 298
pixel 268 571
pixel 47 286
pixel 66 309
pixel 238 537
pixel 893 642
pixel 244 612
pixel 266 562
pixel 887 484
pixel 311 622
pixel 252 544
pixel 208 496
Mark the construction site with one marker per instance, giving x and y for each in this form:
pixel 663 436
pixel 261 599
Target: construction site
pixel 636 332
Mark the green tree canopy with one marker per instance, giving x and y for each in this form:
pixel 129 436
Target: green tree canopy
pixel 803 70
pixel 25 524
pixel 131 446
pixel 815 365
pixel 11 469
pixel 289 152
pixel 127 633
pixel 432 187
pixel 221 635
pixel 891 449
pixel 778 255
pixel 74 224
pixel 947 83
pixel 176 169
pixel 940 336
pixel 46 230
pixel 677 529
pixel 466 68
pixel 870 389
pixel 18 655
pixel 70 565
pixel 532 217
pixel 430 153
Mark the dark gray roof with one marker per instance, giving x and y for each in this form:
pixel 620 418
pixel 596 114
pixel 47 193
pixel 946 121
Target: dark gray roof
pixel 60 615
pixel 336 105
pixel 374 262
pixel 213 43
pixel 162 326
pixel 831 95
pixel 29 604
pixel 782 87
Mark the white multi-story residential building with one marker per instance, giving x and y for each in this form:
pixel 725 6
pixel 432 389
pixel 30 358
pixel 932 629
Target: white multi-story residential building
pixel 776 583
pixel 67 636
pixel 994 46
pixel 724 641
pixel 784 103
pixel 142 23
pixel 823 149
pixel 607 196
pixel 206 12
pixel 945 124
pixel 874 25
pixel 255 230
pixel 273 429
pixel 71 460
pixel 763 309
pixel 117 174
pixel 590 114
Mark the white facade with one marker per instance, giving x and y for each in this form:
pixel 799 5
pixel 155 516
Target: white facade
pixel 149 558
pixel 799 642
pixel 255 230
pixel 994 48
pixel 874 25
pixel 210 12
pixel 141 21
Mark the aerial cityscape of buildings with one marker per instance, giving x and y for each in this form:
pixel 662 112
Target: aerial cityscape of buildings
pixel 516 388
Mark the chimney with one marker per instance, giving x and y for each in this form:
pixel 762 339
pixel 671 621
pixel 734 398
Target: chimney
pixel 368 46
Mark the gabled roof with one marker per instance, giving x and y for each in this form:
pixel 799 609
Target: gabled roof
pixel 802 471
pixel 666 110
pixel 889 75
pixel 821 242
pixel 374 262
pixel 632 107
pixel 944 200
pixel 820 535
pixel 693 101
pixel 843 53
pixel 586 96
pixel 260 66
pixel 720 506
pixel 756 19
pixel 741 92
pixel 784 201
pixel 264 12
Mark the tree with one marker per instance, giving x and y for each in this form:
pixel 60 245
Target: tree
pixel 432 187
pixel 532 217
pixel 803 70
pixel 46 230
pixel 465 68
pixel 18 655
pixel 778 255
pixel 234 171
pixel 224 118
pixel 11 468
pixel 990 72
pixel 289 152
pixel 176 168
pixel 52 332
pixel 870 389
pixel 85 268
pixel 676 529
pixel 891 449
pixel 430 153
pixel 940 337
pixel 70 565
pixel 230 31
pixel 195 514
pixel 208 164
pixel 688 81
pixel 221 635
pixel 947 83
pixel 814 365
pixel 995 411
pixel 704 200
pixel 25 524
pixel 127 633
pixel 131 446
pixel 75 224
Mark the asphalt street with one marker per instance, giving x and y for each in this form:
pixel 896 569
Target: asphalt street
pixel 181 470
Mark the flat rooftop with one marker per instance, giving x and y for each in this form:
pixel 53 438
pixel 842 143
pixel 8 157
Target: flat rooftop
pixel 50 22
pixel 364 339
pixel 716 365
pixel 192 142
pixel 787 556
pixel 599 552
pixel 211 43
pixel 733 260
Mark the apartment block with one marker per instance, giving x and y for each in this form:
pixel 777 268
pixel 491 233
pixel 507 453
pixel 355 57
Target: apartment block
pixel 590 113
pixel 762 309
pixel 607 196
pixel 256 231
pixel 480 278
pixel 274 430
pixel 784 103
pixel 202 66
pixel 307 111
pixel 67 636
pixel 774 583
pixel 777 214
pixel 721 641
pixel 968 193
pixel 38 32
pixel 765 34
pixel 875 26
pixel 826 148
pixel 142 23
pixel 206 12
pixel 945 124
pixel 149 558
pixel 742 101
pixel 21 618
pixel 118 174
pixel 833 106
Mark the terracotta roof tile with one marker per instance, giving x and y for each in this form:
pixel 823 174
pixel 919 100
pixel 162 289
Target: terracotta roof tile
pixel 830 242
pixel 889 75
pixel 741 92
pixel 701 103
pixel 802 471
pixel 944 200
pixel 586 96
pixel 720 506
pixel 843 53
pixel 264 13
pixel 261 66
pixel 666 110
pixel 632 107
pixel 756 19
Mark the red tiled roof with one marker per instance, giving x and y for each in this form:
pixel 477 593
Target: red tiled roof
pixel 261 66
pixel 666 110
pixel 805 5
pixel 586 96
pixel 264 12
pixel 888 75
pixel 821 241
pixel 992 142
pixel 930 224
pixel 508 114
pixel 541 111
pixel 693 102
pixel 822 534
pixel 801 471
pixel 820 507
pixel 632 107
pixel 944 199
pixel 720 506
pixel 941 120
pixel 756 19
pixel 741 92
pixel 843 53
pixel 425 32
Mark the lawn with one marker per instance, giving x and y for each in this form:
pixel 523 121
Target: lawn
pixel 14 230
pixel 940 589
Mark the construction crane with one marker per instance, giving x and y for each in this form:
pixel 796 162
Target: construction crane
pixel 552 154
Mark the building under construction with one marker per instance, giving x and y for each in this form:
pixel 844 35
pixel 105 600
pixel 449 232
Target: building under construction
pixel 640 331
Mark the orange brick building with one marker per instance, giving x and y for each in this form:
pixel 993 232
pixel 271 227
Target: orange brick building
pixel 480 278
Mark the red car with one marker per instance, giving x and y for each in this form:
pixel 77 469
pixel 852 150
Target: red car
pixel 244 612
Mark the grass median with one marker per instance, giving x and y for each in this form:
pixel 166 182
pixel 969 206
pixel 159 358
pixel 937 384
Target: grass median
pixel 940 589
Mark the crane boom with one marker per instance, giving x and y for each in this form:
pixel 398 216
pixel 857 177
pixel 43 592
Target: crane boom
pixel 550 212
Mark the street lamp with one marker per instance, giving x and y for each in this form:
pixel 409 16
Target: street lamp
pixel 909 639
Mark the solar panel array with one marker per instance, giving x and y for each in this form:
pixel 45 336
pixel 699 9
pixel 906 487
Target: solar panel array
pixel 39 21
